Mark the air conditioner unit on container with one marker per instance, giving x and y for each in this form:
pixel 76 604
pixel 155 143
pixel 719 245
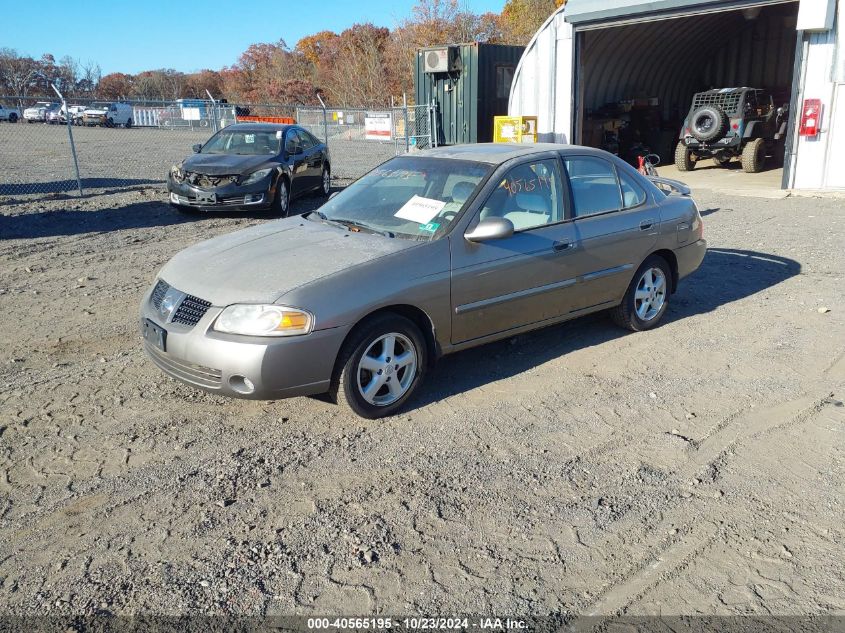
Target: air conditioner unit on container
pixel 443 59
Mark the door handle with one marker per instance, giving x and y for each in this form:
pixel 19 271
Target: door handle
pixel 563 246
pixel 645 225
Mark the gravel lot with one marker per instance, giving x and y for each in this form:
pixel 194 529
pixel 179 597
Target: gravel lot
pixel 696 468
pixel 36 158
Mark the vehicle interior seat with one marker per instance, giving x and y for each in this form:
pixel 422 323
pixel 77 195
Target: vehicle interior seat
pixel 534 209
pixel 461 191
pixel 595 195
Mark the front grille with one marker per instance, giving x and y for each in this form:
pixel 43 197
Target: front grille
pixel 158 293
pixel 727 101
pixel 204 180
pixel 191 310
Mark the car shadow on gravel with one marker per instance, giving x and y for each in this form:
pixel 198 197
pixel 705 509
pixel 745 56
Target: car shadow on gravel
pixel 725 276
pixel 138 215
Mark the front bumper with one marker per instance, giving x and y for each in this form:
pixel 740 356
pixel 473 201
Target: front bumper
pixel 218 363
pixel 258 195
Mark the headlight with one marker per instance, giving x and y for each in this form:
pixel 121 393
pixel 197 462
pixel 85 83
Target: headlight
pixel 176 172
pixel 264 320
pixel 257 175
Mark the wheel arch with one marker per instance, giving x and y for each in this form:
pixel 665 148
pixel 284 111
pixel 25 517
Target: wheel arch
pixel 672 260
pixel 416 315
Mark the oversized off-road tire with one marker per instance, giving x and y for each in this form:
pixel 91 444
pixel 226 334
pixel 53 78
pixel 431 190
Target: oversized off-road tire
pixel 754 156
pixel 281 202
pixel 380 366
pixel 708 123
pixel 647 297
pixel 683 157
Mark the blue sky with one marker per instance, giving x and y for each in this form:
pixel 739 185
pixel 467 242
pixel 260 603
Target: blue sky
pixel 183 34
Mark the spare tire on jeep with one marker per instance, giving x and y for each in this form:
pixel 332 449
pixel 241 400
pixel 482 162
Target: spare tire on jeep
pixel 708 123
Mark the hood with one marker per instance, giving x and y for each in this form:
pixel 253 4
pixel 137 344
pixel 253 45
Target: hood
pixel 95 111
pixel 226 164
pixel 35 109
pixel 261 263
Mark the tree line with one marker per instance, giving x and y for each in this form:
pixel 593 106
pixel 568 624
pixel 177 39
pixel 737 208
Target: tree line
pixel 361 66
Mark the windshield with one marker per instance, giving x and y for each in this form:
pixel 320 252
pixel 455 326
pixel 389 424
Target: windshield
pixel 243 143
pixel 411 197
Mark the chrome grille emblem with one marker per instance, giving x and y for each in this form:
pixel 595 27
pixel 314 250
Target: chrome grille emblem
pixel 169 304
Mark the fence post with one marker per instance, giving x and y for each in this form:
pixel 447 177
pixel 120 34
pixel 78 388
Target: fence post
pixel 407 131
pixel 70 135
pixel 325 120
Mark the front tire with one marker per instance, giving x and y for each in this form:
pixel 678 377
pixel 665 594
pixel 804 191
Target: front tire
pixel 647 297
pixel 380 366
pixel 683 157
pixel 281 203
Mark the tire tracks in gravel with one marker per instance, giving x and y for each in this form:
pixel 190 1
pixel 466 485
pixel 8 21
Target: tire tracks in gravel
pixel 671 556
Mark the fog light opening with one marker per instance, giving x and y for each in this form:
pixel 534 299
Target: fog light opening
pixel 241 384
pixel 253 198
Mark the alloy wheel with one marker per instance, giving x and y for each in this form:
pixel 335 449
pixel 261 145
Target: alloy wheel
pixel 387 369
pixel 650 295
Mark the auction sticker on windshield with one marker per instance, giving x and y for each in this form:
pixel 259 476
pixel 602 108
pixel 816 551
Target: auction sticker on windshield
pixel 419 209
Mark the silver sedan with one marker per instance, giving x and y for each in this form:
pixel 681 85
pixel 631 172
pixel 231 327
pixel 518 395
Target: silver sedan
pixel 426 255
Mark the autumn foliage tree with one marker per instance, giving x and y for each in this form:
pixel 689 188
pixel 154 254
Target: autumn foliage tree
pixel 361 66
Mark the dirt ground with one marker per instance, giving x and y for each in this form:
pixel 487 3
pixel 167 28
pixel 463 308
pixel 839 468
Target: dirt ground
pixel 696 468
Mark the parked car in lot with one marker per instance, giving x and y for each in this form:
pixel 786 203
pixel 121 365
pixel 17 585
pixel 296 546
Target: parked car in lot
pixel 75 112
pixel 40 111
pixel 727 123
pixel 108 114
pixel 251 166
pixel 426 255
pixel 9 114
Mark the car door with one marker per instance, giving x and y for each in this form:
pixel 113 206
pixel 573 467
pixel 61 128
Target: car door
pixel 314 158
pixel 615 228
pixel 498 285
pixel 297 161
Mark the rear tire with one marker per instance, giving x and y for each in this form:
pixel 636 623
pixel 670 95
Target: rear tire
pixel 754 156
pixel 13 118
pixel 395 372
pixel 647 298
pixel 325 182
pixel 128 124
pixel 683 157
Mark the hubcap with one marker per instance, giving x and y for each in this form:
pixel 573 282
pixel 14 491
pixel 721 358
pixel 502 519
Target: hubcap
pixel 650 294
pixel 387 369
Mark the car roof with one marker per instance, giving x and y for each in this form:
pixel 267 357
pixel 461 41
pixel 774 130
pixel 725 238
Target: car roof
pixel 498 153
pixel 258 127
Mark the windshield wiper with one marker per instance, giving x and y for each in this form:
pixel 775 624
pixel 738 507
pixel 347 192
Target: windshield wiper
pixel 366 227
pixel 348 224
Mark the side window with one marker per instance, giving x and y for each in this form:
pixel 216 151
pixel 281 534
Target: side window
pixel 593 184
pixel 305 139
pixel 529 196
pixel 632 194
pixel 292 142
pixel 313 139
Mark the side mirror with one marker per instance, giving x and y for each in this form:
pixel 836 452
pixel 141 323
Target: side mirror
pixel 197 148
pixel 490 229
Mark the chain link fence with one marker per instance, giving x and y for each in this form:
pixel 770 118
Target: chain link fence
pixel 133 144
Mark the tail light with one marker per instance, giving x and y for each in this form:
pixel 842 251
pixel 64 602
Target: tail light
pixel 811 115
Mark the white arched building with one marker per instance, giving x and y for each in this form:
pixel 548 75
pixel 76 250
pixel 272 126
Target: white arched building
pixel 593 59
